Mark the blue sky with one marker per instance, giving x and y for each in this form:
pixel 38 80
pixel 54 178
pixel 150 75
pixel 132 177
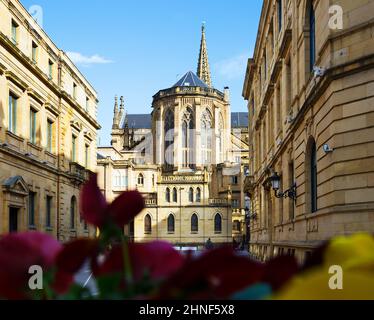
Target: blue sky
pixel 135 48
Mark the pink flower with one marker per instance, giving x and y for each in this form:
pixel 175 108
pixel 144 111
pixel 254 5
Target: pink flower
pixel 20 251
pixel 96 211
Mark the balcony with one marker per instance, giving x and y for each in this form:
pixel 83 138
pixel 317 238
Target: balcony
pixel 237 212
pixel 189 90
pixel 219 202
pixel 78 173
pixel 150 200
pixel 182 179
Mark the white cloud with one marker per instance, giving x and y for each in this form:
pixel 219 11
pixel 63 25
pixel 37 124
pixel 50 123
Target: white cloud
pixel 233 67
pixel 79 58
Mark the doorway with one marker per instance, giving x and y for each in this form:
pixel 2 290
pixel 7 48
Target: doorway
pixel 13 219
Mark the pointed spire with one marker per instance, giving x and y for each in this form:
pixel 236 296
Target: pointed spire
pixel 115 115
pixel 203 70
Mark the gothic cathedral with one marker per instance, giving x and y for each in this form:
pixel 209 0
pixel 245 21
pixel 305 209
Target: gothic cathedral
pixel 171 156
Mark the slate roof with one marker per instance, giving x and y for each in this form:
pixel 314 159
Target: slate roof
pixel 190 80
pixel 239 119
pixel 140 121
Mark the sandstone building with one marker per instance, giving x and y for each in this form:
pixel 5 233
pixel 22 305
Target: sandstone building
pixel 309 88
pixel 185 159
pixel 47 130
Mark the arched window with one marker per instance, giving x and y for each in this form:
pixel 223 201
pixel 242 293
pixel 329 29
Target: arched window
pixel 188 140
pixel 194 223
pixel 190 195
pixel 311 25
pixel 206 137
pixel 147 224
pixel 73 212
pixel 169 138
pixel 175 195
pixel 171 223
pixel 198 195
pixel 218 223
pixel 311 176
pixel 167 195
pixel 140 179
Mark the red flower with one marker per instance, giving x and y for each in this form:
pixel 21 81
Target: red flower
pixel 279 271
pixel 158 259
pixel 20 251
pixel 96 211
pixel 71 259
pixel 217 274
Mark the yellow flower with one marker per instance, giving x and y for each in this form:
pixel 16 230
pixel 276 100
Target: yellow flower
pixel 349 262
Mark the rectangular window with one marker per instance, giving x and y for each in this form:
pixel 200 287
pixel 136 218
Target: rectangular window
pixel 291 181
pixel 74 91
pixel 49 212
pixel 265 65
pixel 235 203
pixel 34 52
pixel 86 156
pixel 50 69
pixel 32 196
pixel 280 15
pixel 234 180
pixel 87 103
pixel 73 148
pixel 14 32
pixel 12 113
pixel 33 126
pixel 49 136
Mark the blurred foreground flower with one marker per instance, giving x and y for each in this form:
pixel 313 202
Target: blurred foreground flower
pixel 156 270
pixel 96 211
pixel 20 251
pixel 354 255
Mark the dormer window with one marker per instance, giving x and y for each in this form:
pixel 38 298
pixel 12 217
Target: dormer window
pixel 34 52
pixel 50 69
pixel 14 32
pixel 74 90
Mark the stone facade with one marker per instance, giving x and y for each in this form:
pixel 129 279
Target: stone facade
pixel 47 130
pixel 189 164
pixel 309 91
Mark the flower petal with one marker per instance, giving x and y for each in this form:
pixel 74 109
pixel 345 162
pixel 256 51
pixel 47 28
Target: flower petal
pixel 216 274
pixel 157 259
pixel 125 207
pixel 280 270
pixel 92 203
pixel 72 257
pixel 20 251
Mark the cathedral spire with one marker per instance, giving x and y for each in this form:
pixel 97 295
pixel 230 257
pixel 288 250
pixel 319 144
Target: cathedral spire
pixel 203 70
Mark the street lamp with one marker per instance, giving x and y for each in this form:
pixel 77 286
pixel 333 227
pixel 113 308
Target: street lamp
pixel 275 183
